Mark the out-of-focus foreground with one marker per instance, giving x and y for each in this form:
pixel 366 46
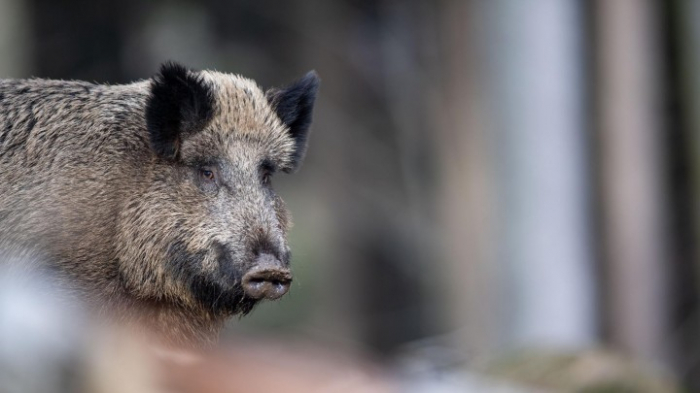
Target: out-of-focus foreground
pixel 508 186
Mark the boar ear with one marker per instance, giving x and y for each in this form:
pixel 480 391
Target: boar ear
pixel 294 105
pixel 180 104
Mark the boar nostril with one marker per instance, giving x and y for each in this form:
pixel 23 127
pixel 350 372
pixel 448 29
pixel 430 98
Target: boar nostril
pixel 267 282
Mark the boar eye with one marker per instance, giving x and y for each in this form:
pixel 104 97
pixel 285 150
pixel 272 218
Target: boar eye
pixel 266 177
pixel 207 174
pixel 266 171
pixel 208 178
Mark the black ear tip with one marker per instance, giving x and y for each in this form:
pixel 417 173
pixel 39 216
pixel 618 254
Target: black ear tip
pixel 170 64
pixel 313 75
pixel 172 69
pixel 311 80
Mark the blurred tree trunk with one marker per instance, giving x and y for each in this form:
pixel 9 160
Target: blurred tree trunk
pixel 467 198
pixel 631 153
pixel 683 34
pixel 515 202
pixel 15 39
pixel 537 78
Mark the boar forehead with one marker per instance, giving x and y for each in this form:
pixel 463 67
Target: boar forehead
pixel 243 118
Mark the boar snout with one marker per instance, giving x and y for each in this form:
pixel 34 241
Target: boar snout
pixel 268 279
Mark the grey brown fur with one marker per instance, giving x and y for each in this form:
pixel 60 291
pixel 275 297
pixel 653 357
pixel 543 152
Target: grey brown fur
pixel 151 207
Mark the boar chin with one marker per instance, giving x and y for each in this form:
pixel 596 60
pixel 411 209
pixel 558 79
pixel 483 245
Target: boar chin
pixel 218 291
pixel 220 300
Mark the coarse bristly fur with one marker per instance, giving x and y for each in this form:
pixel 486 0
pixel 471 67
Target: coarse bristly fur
pixel 152 199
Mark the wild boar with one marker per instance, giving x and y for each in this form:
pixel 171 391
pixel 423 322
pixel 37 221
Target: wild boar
pixel 152 200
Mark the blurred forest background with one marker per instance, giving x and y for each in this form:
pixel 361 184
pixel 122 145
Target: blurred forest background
pixel 483 177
